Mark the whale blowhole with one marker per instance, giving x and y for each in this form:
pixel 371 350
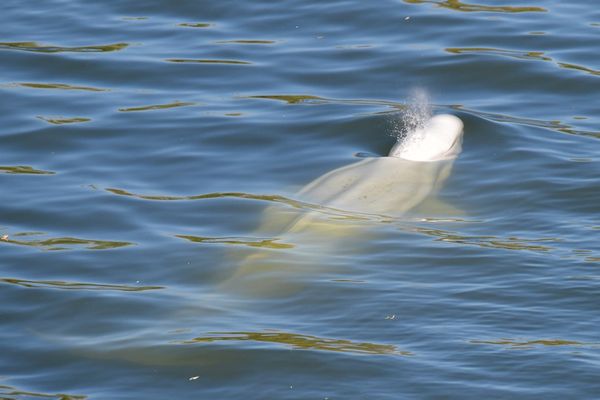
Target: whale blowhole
pixel 414 117
pixel 421 136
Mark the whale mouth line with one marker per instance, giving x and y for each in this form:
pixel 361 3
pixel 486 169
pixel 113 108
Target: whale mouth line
pixel 452 147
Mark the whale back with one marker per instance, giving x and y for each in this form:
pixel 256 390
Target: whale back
pixel 383 185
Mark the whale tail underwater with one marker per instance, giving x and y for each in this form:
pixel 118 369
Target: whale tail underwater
pixel 341 206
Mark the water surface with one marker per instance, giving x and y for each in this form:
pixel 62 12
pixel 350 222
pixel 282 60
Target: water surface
pixel 142 142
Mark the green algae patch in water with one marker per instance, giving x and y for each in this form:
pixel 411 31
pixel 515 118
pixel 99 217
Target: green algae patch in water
pixel 38 48
pixel 60 86
pixel 66 285
pixel 158 106
pixel 261 243
pixel 458 5
pixel 24 170
pixel 301 342
pixel 206 61
pixel 63 121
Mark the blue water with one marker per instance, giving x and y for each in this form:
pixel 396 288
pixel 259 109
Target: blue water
pixel 144 144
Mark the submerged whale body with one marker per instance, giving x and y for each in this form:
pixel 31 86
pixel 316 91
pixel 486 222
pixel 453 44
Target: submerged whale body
pixel 389 186
pixel 395 184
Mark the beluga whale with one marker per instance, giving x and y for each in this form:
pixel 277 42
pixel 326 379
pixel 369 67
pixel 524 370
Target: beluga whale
pixel 336 209
pixel 395 184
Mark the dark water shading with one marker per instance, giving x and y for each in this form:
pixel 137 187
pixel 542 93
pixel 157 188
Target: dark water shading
pixel 151 158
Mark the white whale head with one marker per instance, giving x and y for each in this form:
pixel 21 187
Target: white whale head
pixel 439 139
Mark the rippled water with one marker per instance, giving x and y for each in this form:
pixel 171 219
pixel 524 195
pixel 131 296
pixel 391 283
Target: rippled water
pixel 143 144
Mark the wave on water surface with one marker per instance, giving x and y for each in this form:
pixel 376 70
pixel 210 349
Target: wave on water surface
pixel 39 48
pixel 300 342
pixel 66 285
pixel 61 243
pixel 457 5
pixel 23 170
